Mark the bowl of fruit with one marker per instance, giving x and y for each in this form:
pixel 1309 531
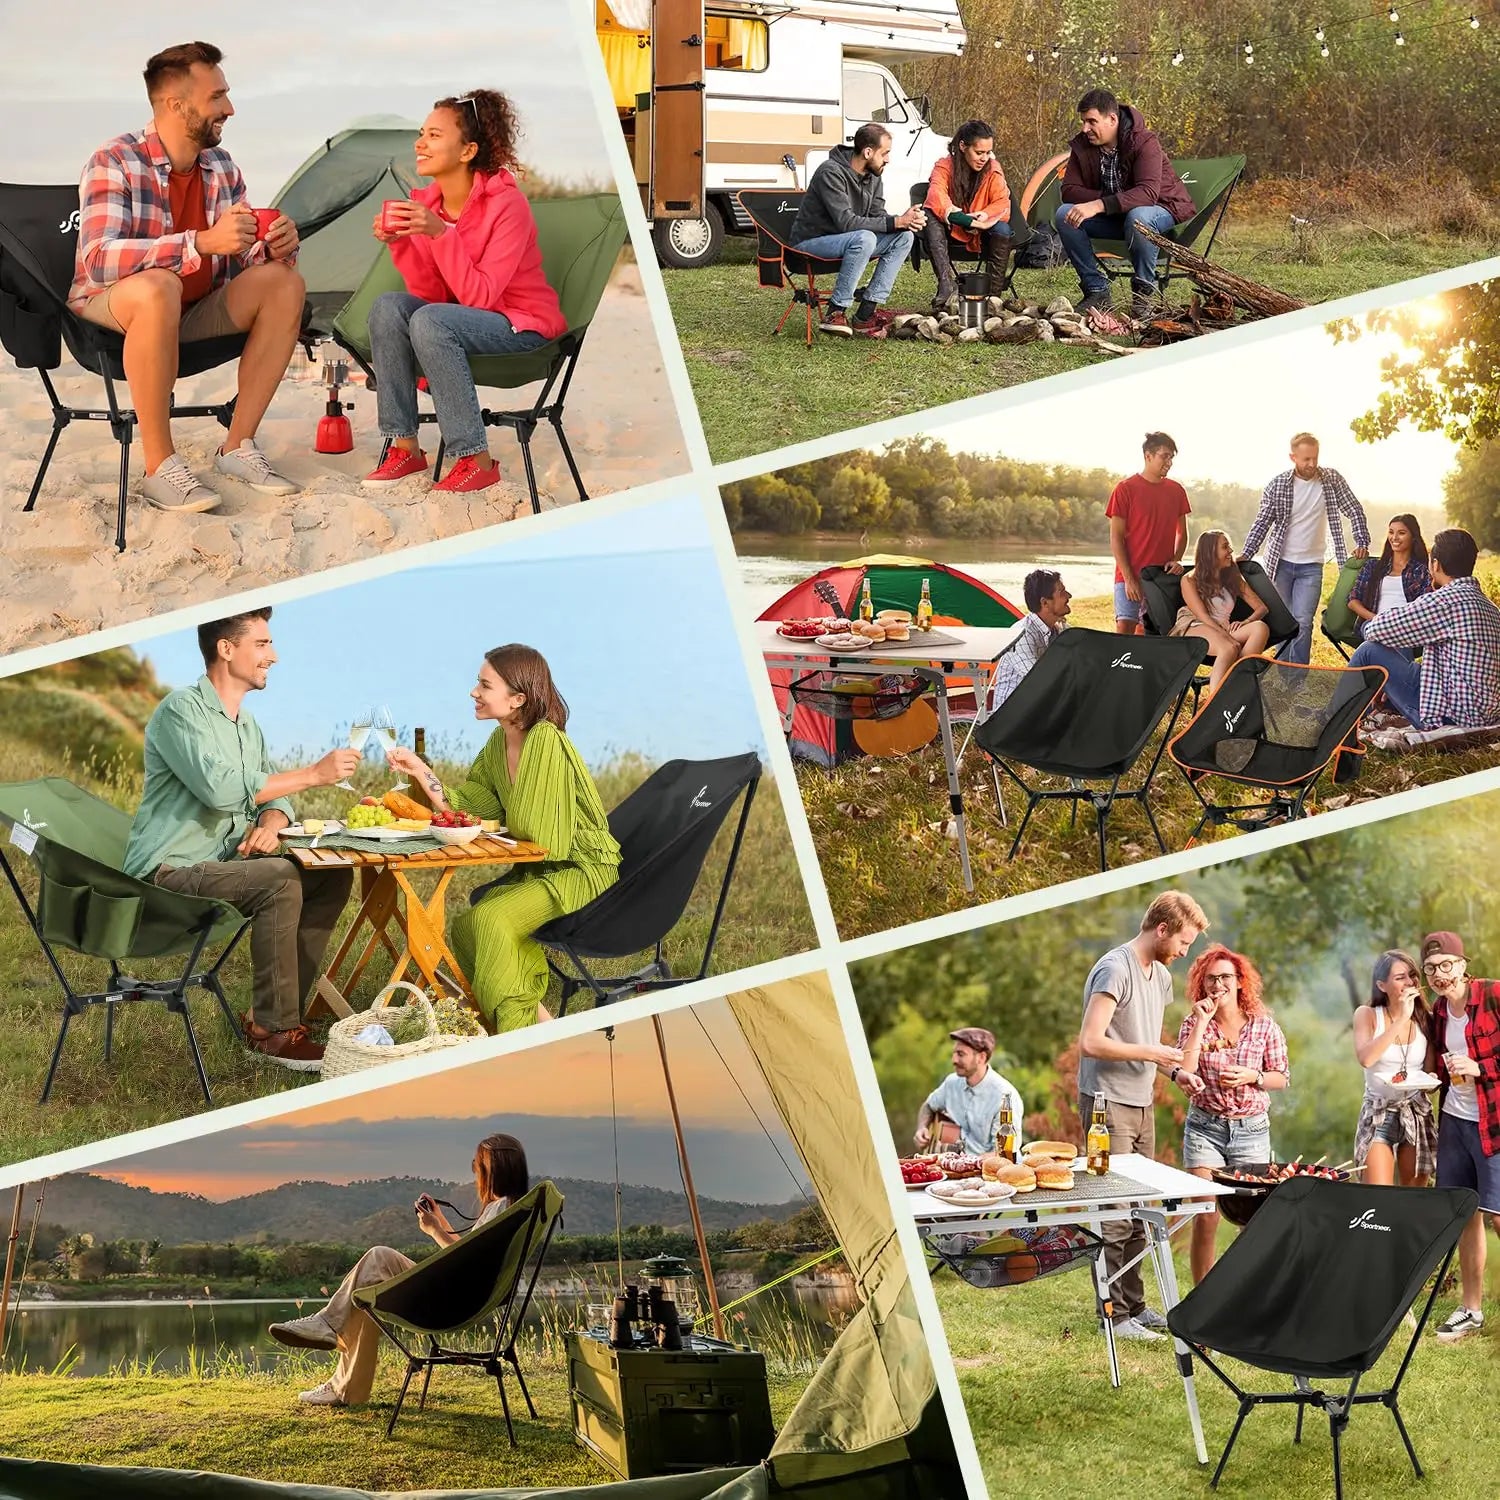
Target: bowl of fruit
pixel 453 827
pixel 918 1171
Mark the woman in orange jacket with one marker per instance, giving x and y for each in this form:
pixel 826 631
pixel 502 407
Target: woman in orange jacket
pixel 968 210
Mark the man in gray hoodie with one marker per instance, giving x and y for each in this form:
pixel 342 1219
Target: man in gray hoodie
pixel 843 218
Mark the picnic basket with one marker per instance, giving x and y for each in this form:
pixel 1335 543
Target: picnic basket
pixel 344 1053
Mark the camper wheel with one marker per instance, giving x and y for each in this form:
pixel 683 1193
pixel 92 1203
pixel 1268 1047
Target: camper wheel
pixel 686 244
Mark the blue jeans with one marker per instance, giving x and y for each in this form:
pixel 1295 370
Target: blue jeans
pixel 1409 652
pixel 406 332
pixel 1301 585
pixel 1403 685
pixel 1126 608
pixel 855 249
pixel 1079 242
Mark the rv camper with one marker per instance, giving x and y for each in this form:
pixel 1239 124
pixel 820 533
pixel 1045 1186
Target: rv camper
pixel 719 95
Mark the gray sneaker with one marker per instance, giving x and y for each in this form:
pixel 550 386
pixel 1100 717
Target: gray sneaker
pixel 311 1332
pixel 1148 1317
pixel 1461 1322
pixel 174 486
pixel 250 466
pixel 1103 299
pixel 1132 1328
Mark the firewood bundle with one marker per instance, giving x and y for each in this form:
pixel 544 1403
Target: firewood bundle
pixel 1257 300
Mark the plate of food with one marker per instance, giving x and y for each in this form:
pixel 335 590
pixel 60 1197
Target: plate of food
pixel 389 832
pixel 918 1171
pixel 972 1192
pixel 312 828
pixel 1416 1081
pixel 958 1164
pixel 806 630
pixel 843 641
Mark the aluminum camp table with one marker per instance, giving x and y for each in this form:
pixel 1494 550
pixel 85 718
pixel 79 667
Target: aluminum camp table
pixel 1165 1201
pixel 973 651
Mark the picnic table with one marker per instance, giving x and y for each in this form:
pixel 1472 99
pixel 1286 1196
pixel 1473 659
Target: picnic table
pixel 952 649
pixel 1161 1199
pixel 388 897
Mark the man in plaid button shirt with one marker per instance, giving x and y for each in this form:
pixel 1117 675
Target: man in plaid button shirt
pixel 167 254
pixel 1458 678
pixel 1299 509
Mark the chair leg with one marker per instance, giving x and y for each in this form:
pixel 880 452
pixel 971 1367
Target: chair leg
pixel 41 473
pixel 411 1369
pixel 1297 1435
pixel 1335 1428
pixel 187 1022
pixel 124 490
pixel 1239 1422
pixel 1031 807
pixel 426 1382
pixel 212 984
pixel 505 1406
pixel 1411 1452
pixel 1102 814
pixel 109 1031
pixel 515 1364
pixel 437 463
pixel 62 1036
pixel 526 463
pixel 562 439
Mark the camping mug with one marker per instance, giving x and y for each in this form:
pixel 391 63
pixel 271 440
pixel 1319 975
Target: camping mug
pixel 264 219
pixel 971 304
pixel 390 223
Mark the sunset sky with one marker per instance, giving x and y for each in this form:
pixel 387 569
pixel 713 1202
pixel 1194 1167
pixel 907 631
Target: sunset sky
pixel 556 1099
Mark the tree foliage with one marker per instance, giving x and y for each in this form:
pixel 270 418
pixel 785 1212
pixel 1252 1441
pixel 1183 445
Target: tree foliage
pixel 1472 492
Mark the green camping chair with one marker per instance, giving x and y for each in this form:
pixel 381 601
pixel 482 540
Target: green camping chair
pixel 481 1276
pixel 1340 623
pixel 1210 181
pixel 87 904
pixel 580 239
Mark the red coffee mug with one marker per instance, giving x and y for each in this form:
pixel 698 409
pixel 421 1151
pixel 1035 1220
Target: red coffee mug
pixel 264 219
pixel 388 224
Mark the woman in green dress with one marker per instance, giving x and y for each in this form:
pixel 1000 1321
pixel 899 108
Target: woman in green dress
pixel 530 776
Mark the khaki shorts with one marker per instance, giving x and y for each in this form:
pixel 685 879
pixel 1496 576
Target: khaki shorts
pixel 207 318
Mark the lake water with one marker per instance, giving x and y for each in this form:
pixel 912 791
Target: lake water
pixel 1087 575
pixel 170 1336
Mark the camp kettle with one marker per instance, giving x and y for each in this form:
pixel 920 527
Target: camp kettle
pixel 334 434
pixel 971 299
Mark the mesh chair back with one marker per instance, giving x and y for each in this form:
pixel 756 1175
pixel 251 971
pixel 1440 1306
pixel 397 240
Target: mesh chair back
pixel 665 829
pixel 1321 1277
pixel 1276 723
pixel 85 901
pixel 773 212
pixel 38 245
pixel 1088 707
pixel 467 1281
pixel 1162 595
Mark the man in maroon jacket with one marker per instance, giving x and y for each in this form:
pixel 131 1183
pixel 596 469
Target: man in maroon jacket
pixel 1118 179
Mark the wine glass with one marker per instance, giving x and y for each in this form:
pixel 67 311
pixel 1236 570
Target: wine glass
pixel 359 732
pixel 385 732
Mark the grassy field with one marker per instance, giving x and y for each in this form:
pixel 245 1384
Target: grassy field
pixel 879 825
pixel 756 393
pixel 1032 1369
pixel 151 1078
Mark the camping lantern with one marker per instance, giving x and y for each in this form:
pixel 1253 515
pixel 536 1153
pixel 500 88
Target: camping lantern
pixel 672 1279
pixel 971 306
pixel 334 434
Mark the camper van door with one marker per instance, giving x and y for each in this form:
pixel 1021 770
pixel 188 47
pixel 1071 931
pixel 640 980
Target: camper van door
pixel 677 133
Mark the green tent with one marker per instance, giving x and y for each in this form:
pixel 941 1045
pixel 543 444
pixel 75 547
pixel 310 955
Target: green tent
pixel 870 1425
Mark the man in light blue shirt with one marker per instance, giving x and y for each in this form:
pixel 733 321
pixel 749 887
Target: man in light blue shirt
pixel 970 1096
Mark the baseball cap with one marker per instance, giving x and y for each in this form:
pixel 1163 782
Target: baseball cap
pixel 1442 942
pixel 976 1037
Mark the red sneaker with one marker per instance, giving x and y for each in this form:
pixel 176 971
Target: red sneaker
pixel 400 463
pixel 876 327
pixel 467 474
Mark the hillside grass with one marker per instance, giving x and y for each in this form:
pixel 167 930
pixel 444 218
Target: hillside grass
pixel 756 392
pixel 1031 1366
pixel 151 1078
pixel 881 826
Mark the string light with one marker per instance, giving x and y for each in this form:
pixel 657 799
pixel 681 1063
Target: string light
pixel 1474 22
pixel 1323 50
pixel 1249 49
pixel 1057 51
pixel 1393 14
pixel 1177 58
pixel 999 42
pixel 1030 55
pixel 1400 40
pixel 1319 35
pixel 1114 57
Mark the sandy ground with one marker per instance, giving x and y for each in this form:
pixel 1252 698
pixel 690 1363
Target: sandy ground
pixel 60 575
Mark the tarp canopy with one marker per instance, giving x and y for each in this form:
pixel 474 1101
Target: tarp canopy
pixel 870 1425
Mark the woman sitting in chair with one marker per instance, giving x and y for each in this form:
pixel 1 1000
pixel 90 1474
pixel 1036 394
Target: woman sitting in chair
pixel 466 247
pixel 530 775
pixel 1209 595
pixel 1397 576
pixel 500 1177
pixel 968 209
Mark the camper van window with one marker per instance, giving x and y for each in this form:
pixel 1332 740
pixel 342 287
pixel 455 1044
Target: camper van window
pixel 868 96
pixel 735 45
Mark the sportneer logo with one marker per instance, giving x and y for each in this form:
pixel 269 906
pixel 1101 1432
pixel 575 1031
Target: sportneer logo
pixel 1125 661
pixel 1366 1220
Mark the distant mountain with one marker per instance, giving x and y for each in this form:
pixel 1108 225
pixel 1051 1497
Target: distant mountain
pixel 378 1212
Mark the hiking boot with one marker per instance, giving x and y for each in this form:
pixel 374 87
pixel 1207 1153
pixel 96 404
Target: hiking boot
pixel 311 1332
pixel 1460 1323
pixel 1103 299
pixel 174 486
pixel 1136 1331
pixel 291 1048
pixel 944 302
pixel 468 474
pixel 398 464
pixel 250 466
pixel 837 322
pixel 321 1395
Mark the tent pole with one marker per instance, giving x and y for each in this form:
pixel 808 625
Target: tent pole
pixel 10 1259
pixel 687 1180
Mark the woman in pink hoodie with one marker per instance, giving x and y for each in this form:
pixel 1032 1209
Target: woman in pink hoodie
pixel 466 247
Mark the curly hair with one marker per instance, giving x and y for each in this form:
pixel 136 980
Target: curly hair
pixel 1244 971
pixel 489 120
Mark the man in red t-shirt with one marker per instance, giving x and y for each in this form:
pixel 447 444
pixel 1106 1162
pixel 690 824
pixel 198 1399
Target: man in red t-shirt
pixel 1147 527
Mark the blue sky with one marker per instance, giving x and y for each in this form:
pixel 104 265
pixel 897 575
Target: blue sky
pixel 586 596
pixel 70 77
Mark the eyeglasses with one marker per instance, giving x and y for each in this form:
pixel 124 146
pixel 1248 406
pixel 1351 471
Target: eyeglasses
pixel 1218 981
pixel 1442 967
pixel 469 100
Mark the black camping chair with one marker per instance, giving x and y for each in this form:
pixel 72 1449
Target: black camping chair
pixel 1086 711
pixel 958 252
pixel 773 212
pixel 1315 1287
pixel 1275 726
pixel 481 1277
pixel 665 829
pixel 38 246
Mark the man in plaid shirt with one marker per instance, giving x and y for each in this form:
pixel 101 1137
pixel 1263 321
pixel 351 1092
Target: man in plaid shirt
pixel 1458 678
pixel 168 253
pixel 1048 605
pixel 1299 509
pixel 1465 1038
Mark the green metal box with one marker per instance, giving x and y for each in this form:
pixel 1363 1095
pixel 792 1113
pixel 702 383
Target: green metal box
pixel 646 1411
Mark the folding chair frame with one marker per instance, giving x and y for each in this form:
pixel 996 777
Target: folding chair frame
pixel 1118 268
pixel 122 989
pixel 492 1361
pixel 656 975
pixel 1076 791
pixel 1338 1407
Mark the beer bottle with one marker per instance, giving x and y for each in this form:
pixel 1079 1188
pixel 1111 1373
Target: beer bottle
pixel 866 603
pixel 924 608
pixel 1005 1133
pixel 418 792
pixel 1098 1145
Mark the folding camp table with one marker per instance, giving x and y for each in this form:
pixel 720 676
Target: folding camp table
pixel 1159 1198
pixel 384 871
pixel 970 649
